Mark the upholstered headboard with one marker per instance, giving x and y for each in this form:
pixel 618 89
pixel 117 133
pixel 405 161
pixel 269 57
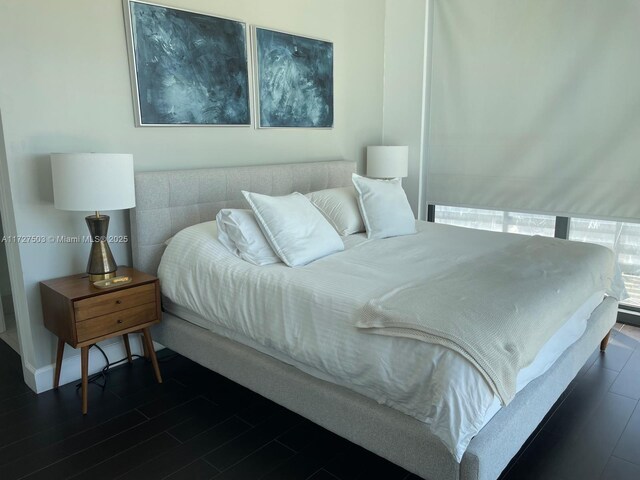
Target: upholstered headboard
pixel 168 201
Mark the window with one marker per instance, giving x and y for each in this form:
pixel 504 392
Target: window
pixel 623 239
pixel 496 220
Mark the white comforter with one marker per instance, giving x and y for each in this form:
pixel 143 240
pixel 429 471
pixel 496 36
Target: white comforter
pixel 305 316
pixel 540 280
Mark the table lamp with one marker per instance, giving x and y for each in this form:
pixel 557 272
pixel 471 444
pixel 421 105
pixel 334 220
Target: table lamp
pixel 387 161
pixel 94 182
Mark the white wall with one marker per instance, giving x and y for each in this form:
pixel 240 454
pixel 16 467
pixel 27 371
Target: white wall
pixel 5 286
pixel 405 88
pixel 64 87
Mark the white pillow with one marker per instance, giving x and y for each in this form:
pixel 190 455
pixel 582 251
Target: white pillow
pixel 384 207
pixel 340 208
pixel 239 232
pixel 295 229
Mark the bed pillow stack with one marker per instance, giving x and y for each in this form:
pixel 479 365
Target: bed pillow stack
pixel 384 207
pixel 295 229
pixel 239 232
pixel 340 207
pixel 299 229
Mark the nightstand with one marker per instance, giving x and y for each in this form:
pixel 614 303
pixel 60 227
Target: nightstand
pixel 81 315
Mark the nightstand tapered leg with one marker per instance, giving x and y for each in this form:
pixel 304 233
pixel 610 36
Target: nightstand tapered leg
pixel 59 355
pixel 152 353
pixel 145 354
pixel 127 347
pixel 84 356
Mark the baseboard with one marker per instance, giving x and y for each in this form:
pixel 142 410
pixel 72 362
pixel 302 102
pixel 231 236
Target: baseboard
pixel 628 317
pixel 29 375
pixel 70 371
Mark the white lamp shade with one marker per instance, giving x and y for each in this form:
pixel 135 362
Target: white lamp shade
pixel 93 181
pixel 387 162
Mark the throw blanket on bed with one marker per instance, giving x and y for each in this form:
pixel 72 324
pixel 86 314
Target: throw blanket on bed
pixel 497 310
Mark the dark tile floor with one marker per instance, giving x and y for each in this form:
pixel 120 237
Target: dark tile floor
pixel 198 425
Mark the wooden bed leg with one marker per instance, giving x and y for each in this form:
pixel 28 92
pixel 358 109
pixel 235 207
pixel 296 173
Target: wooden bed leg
pixel 605 342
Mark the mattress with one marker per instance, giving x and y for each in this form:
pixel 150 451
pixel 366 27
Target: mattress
pixel 305 316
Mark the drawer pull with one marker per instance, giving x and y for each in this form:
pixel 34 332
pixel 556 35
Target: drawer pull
pixel 120 321
pixel 118 302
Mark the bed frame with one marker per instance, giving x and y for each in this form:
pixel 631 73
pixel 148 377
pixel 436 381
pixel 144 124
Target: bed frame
pixel 172 200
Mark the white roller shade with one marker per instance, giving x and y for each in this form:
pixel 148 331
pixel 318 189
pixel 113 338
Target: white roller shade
pixel 535 106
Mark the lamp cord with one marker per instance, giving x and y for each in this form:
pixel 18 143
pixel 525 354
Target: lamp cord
pixel 102 374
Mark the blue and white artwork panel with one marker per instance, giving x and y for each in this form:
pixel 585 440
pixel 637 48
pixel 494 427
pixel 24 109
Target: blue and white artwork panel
pixel 189 68
pixel 295 80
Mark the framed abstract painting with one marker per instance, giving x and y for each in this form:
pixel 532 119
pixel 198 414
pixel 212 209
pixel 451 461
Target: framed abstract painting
pixel 294 80
pixel 187 68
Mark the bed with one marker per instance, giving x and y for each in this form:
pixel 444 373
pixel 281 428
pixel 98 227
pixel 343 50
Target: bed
pixel 169 202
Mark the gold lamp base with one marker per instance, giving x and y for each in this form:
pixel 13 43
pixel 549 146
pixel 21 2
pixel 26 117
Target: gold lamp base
pixel 101 264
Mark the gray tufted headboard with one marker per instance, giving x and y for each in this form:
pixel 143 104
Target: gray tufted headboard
pixel 168 201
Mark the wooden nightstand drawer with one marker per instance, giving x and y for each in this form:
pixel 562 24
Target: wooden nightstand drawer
pixel 114 302
pixel 114 322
